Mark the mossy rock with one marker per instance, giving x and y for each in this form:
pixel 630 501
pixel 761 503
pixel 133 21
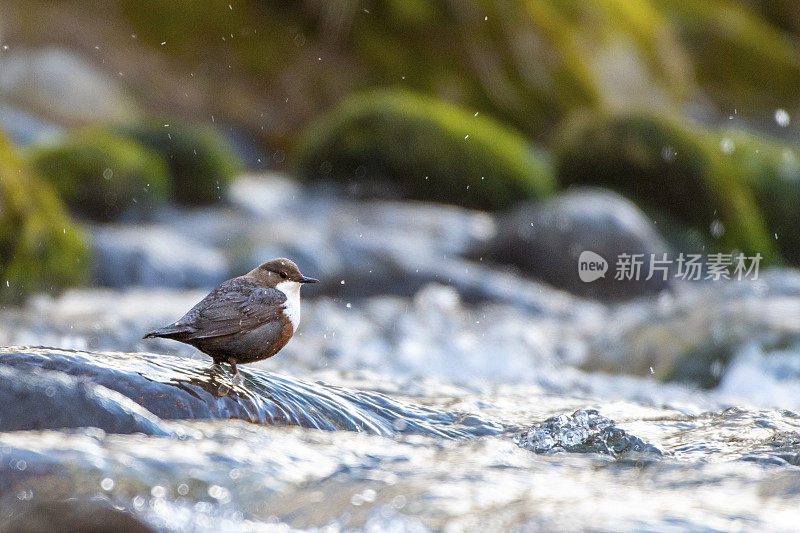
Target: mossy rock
pixel 40 248
pixel 101 175
pixel 428 149
pixel 772 171
pixel 201 161
pixel 671 169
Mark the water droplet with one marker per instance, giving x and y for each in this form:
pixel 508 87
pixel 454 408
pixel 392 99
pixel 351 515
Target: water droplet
pixel 158 491
pixel 108 173
pixel 717 229
pixel 107 484
pixel 727 146
pixel 782 118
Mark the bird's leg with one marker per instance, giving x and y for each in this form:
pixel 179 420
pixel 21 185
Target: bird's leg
pixel 237 377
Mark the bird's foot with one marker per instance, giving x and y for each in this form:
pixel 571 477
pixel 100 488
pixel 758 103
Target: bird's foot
pixel 237 377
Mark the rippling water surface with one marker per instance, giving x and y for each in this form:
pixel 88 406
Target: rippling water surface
pixel 415 414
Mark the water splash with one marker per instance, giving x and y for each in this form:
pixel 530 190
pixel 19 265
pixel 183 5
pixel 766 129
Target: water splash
pixel 585 431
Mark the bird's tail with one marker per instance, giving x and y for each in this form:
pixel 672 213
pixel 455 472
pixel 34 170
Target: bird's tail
pixel 173 331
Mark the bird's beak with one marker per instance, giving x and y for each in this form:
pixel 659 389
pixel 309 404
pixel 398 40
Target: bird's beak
pixel 309 280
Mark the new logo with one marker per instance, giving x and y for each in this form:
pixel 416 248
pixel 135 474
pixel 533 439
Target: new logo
pixel 591 266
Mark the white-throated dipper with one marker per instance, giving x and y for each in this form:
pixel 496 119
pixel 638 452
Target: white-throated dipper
pixel 244 319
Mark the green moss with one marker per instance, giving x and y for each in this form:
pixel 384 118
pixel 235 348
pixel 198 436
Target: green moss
pixel 201 162
pixel 740 60
pixel 772 171
pixel 101 175
pixel 669 168
pixel 40 248
pixel 431 150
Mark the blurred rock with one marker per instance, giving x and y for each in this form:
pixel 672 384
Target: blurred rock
pixel 153 256
pixel 356 248
pixel 102 176
pixel 35 399
pixel 71 516
pixel 695 333
pixel 62 86
pixel 545 240
pixel 729 192
pixel 25 128
pixel 424 149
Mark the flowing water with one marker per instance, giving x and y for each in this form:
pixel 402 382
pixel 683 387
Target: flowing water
pixel 416 414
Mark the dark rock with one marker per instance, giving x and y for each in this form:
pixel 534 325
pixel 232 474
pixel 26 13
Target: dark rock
pixel 177 388
pixel 36 399
pixel 545 240
pixel 71 517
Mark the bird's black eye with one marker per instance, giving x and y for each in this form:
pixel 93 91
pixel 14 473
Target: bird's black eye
pixel 283 275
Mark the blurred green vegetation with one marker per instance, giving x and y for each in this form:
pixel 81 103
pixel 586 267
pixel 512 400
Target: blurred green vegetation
pixel 772 171
pixel 360 90
pixel 101 175
pixel 429 149
pixel 691 175
pixel 40 249
pixel 741 61
pixel 201 162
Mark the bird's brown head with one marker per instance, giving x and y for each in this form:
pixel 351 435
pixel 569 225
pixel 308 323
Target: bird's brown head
pixel 277 271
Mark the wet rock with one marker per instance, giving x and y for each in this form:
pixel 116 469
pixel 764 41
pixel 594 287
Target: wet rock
pixel 62 86
pixel 177 388
pixel 71 517
pixel 152 256
pixel 35 399
pixel 545 240
pixel 585 431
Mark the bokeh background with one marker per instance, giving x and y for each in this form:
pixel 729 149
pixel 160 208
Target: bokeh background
pixel 116 112
pixel 440 165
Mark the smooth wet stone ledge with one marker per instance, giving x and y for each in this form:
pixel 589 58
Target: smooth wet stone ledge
pixel 48 388
pixel 42 399
pixel 62 388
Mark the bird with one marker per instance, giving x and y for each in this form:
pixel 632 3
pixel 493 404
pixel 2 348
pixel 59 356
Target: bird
pixel 244 319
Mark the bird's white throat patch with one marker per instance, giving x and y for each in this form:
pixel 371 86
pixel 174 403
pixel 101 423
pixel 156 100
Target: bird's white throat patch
pixel 292 306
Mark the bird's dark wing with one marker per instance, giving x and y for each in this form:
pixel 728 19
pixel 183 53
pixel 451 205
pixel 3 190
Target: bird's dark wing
pixel 236 306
